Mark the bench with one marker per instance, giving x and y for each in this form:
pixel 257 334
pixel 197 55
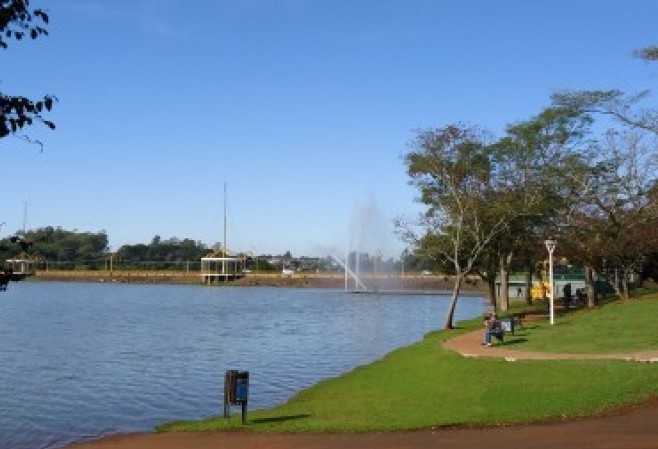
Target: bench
pixel 512 321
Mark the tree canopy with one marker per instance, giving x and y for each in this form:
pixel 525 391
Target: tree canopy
pixel 483 196
pixel 170 250
pixel 91 249
pixel 492 201
pixel 56 245
pixel 17 23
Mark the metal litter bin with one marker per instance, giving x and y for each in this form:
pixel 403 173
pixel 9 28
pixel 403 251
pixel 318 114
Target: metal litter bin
pixel 508 324
pixel 236 392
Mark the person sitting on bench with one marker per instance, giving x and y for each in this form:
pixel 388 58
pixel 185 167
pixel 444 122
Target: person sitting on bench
pixel 492 327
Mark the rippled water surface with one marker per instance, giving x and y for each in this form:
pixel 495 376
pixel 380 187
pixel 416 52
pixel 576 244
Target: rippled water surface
pixel 78 361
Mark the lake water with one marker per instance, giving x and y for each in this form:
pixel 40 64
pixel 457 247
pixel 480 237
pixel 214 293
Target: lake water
pixel 81 361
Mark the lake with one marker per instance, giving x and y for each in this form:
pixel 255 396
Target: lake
pixel 81 361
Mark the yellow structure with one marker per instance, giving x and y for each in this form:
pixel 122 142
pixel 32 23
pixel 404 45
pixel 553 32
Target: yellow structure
pixel 540 290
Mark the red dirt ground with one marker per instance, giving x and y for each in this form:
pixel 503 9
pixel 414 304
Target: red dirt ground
pixel 635 428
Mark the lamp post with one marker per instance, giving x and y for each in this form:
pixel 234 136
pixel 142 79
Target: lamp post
pixel 550 246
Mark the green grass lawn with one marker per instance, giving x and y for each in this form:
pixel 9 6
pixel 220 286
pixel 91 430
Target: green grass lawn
pixel 615 327
pixel 424 385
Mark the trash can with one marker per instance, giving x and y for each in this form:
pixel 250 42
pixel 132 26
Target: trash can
pixel 236 391
pixel 508 324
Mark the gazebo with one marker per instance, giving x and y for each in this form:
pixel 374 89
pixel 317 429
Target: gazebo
pixel 21 265
pixel 221 267
pixel 15 270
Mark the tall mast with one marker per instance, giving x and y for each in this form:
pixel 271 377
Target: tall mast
pixel 225 244
pixel 24 217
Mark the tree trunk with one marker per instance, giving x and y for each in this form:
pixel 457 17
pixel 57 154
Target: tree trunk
pixel 528 286
pixel 629 280
pixel 453 302
pixel 540 280
pixel 504 284
pixel 639 283
pixel 625 276
pixel 624 290
pixel 491 287
pixel 590 286
pixel 617 286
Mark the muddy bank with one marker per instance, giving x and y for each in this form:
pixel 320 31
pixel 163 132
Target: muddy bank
pixel 371 283
pixel 301 280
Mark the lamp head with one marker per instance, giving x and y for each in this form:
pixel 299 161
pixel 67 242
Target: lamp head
pixel 550 245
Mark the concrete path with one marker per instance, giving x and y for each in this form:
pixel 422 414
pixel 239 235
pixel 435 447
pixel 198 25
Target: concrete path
pixel 470 345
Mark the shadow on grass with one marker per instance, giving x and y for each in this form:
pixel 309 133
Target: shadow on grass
pixel 276 419
pixel 514 341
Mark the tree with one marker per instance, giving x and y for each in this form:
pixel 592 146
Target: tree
pixel 18 22
pixel 649 53
pixel 622 108
pixel 162 251
pixel 615 195
pixel 58 245
pixel 612 226
pixel 483 199
pixel 531 159
pixel 452 167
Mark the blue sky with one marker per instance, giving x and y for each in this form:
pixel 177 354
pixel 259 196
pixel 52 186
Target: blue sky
pixel 303 108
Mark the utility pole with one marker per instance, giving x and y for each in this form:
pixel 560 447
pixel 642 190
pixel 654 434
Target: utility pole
pixel 550 246
pixel 225 243
pixel 24 217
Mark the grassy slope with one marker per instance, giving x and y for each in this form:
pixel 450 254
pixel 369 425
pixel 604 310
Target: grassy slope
pixel 616 327
pixel 423 385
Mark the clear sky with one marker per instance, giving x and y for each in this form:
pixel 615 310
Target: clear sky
pixel 303 108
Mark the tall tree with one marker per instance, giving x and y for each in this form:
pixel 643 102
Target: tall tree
pixel 19 22
pixel 610 227
pixel 615 196
pixel 452 167
pixel 532 159
pixel 482 196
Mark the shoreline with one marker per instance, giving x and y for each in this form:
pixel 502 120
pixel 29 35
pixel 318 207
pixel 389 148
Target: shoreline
pixel 625 427
pixel 385 285
pixel 433 284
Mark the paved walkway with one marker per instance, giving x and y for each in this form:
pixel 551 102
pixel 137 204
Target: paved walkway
pixel 470 345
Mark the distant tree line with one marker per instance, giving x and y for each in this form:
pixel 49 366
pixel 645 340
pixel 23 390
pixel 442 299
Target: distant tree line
pixel 65 249
pixel 90 250
pixel 56 245
pixel 161 253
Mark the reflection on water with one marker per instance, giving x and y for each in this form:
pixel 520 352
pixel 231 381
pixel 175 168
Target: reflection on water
pixel 82 360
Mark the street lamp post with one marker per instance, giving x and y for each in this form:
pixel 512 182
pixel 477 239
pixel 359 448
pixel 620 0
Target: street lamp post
pixel 550 246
